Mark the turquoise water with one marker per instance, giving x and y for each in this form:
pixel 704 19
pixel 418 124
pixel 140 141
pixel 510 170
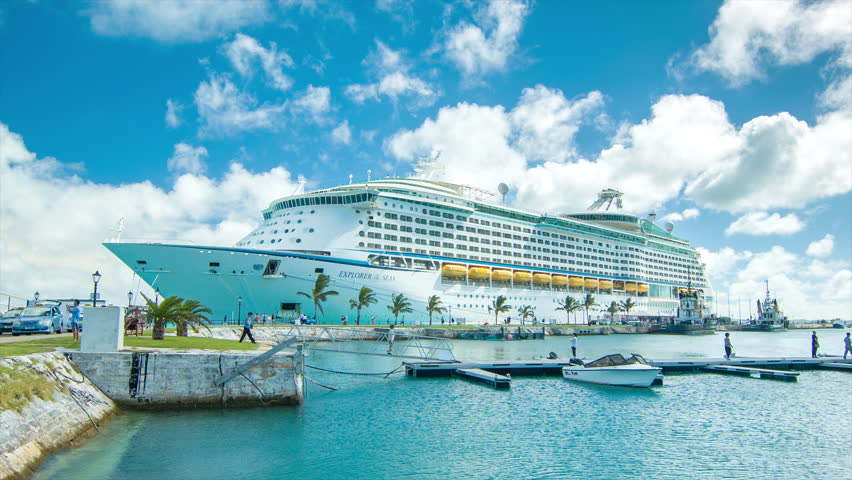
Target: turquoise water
pixel 699 426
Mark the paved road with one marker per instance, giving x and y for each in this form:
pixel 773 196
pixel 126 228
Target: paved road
pixel 8 338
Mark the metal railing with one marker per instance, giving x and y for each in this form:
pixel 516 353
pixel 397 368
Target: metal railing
pixel 370 342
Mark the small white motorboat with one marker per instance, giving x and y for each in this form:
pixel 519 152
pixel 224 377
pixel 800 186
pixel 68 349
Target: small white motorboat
pixel 613 370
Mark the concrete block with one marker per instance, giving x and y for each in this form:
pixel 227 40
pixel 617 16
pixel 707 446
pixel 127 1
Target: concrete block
pixel 103 329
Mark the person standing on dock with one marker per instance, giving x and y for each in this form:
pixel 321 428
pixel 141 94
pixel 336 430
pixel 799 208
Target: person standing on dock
pixel 729 349
pixel 247 328
pixel 814 344
pixel 574 346
pixel 848 343
pixel 75 319
pixel 391 338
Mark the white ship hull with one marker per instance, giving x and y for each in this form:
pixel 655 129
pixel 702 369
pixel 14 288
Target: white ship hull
pixel 232 281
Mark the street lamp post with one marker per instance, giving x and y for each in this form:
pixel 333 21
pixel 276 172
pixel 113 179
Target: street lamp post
pixel 35 297
pixel 239 311
pixel 96 277
pixel 157 296
pixel 129 299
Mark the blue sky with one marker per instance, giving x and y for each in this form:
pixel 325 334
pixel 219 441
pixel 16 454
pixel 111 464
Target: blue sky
pixel 185 118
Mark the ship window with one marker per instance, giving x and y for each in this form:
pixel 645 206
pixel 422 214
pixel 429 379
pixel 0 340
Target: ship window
pixel 141 262
pixel 298 240
pixel 271 267
pixel 214 264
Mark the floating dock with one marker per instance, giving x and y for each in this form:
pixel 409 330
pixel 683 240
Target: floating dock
pixel 776 368
pixel 494 379
pixel 748 372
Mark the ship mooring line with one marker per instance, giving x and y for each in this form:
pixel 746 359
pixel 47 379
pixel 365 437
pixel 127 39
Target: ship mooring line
pixel 386 374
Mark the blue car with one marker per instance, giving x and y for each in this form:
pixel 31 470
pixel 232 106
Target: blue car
pixel 8 319
pixel 43 317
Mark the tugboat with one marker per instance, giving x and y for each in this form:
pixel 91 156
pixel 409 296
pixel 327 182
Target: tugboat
pixel 769 316
pixel 690 319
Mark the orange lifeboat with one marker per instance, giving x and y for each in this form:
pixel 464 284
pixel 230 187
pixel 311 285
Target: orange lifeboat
pixel 451 270
pixel 643 288
pixel 618 285
pixel 630 287
pixel 499 275
pixel 541 278
pixel 559 280
pixel 605 285
pixel 576 282
pixel 591 283
pixel 479 273
pixel 522 277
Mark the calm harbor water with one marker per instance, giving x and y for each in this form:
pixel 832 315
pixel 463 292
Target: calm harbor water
pixel 699 426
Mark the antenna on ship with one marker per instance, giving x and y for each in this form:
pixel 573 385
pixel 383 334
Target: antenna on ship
pixel 121 229
pixel 300 188
pixel 369 172
pixel 350 179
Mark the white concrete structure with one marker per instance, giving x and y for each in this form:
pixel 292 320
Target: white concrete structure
pixel 103 329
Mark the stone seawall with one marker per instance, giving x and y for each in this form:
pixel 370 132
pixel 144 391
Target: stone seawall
pixel 66 408
pixel 158 379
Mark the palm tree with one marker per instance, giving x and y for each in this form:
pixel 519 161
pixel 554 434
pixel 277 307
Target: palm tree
pixel 525 312
pixel 613 309
pixel 169 310
pixel 570 305
pixel 195 313
pixel 589 302
pixel 400 305
pixel 499 306
pixel 434 305
pixel 319 293
pixel 366 297
pixel 626 305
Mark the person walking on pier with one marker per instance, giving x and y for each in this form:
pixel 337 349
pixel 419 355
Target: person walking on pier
pixel 729 348
pixel 848 343
pixel 391 338
pixel 814 344
pixel 247 328
pixel 574 346
pixel 75 319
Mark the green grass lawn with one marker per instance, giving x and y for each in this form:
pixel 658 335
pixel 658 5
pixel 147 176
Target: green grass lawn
pixel 47 344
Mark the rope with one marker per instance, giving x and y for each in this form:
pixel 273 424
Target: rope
pixel 319 384
pixel 386 374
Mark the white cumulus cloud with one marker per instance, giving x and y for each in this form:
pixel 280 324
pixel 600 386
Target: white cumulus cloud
pixel 680 216
pixel 762 223
pixel 172 110
pixel 172 21
pixel 244 51
pixel 393 79
pixel 188 159
pixel 315 101
pixel 486 46
pixel 342 133
pixel 76 215
pixel 225 110
pixel 823 247
pixel 748 34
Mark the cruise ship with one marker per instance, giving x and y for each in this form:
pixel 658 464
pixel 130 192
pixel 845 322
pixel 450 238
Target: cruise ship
pixel 420 238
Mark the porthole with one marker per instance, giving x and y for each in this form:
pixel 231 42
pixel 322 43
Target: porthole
pixel 310 230
pixel 361 233
pixel 299 221
pixel 298 240
pixel 313 212
pixel 386 204
pixel 301 212
pixel 357 211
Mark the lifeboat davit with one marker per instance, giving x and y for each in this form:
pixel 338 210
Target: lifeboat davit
pixel 559 280
pixel 605 285
pixel 630 286
pixel 591 283
pixel 643 288
pixel 501 275
pixel 451 270
pixel 479 273
pixel 541 278
pixel 522 277
pixel 575 282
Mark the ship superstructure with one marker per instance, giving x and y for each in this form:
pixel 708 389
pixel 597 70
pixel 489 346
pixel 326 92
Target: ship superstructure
pixel 421 238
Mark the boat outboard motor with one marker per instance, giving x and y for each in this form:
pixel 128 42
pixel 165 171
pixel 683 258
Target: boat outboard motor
pixel 576 361
pixel 552 356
